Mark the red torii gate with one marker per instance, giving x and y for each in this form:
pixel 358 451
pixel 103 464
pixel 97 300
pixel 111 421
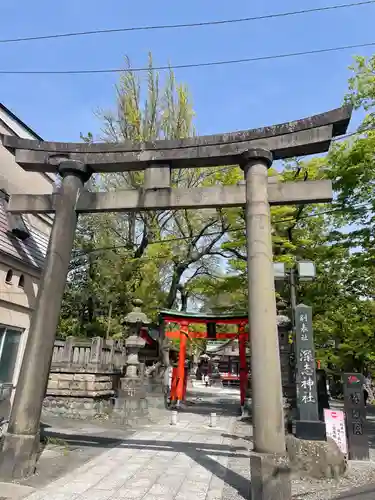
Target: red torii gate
pixel 184 320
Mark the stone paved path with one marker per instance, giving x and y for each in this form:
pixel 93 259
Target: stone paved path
pixel 184 462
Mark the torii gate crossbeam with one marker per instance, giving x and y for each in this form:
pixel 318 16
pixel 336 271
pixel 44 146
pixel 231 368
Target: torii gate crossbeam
pixel 254 151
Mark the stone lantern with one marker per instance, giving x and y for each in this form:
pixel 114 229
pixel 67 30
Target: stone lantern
pixel 135 320
pixel 131 403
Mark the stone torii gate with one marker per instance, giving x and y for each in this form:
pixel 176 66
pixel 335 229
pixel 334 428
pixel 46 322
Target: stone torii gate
pixel 254 150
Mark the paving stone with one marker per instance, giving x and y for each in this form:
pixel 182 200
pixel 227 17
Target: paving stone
pixel 98 470
pixel 214 495
pixel 76 487
pixel 189 495
pixel 111 483
pixel 15 491
pixel 185 463
pixel 130 493
pixel 171 479
pixel 56 496
pixel 97 495
pixel 216 483
pixel 193 487
pixel 153 497
pixel 142 482
pixel 159 489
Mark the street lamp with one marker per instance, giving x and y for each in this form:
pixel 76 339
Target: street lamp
pixel 304 270
pixel 279 271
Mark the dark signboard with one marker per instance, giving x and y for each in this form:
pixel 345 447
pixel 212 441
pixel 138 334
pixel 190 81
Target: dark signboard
pixel 307 398
pixel 355 410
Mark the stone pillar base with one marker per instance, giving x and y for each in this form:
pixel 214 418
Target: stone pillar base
pixel 270 478
pixel 131 403
pixel 311 430
pixel 317 459
pixel 18 455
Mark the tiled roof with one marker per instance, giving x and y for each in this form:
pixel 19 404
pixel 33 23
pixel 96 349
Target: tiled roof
pixel 31 251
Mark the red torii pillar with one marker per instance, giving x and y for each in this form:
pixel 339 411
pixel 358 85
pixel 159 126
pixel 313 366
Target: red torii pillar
pixel 243 362
pixel 186 374
pixel 184 333
pixel 173 395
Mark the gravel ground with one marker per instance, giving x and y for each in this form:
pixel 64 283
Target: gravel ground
pixel 359 474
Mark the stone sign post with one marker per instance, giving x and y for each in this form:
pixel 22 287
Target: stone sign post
pixel 355 410
pixel 308 425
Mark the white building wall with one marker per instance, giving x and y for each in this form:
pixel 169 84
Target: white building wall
pixel 24 258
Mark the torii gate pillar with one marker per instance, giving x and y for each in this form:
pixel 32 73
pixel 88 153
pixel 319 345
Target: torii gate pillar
pixel 267 407
pixel 21 442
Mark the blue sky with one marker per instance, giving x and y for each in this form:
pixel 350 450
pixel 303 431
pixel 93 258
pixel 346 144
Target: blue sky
pixel 225 98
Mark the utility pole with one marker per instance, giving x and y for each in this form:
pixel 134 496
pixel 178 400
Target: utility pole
pixel 293 297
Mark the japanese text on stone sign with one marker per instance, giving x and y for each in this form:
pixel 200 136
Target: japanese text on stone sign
pixel 307 383
pixel 304 331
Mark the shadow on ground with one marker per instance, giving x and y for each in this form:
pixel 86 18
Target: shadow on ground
pixel 75 436
pixel 205 408
pixel 201 453
pixel 62 450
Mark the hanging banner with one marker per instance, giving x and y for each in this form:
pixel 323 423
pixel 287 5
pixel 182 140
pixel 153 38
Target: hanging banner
pixel 335 428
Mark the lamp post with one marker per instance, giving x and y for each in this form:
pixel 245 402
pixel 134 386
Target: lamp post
pixel 303 271
pixel 308 424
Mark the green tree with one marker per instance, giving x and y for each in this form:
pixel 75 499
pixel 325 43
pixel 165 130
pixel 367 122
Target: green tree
pixel 156 256
pixel 338 237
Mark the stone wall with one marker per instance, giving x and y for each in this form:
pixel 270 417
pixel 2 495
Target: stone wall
pixel 79 395
pixel 84 377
